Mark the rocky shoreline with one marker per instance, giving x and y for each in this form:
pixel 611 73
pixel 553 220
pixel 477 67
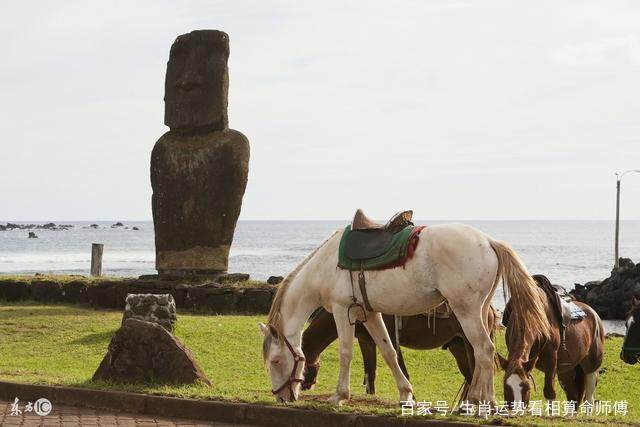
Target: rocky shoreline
pixel 49 226
pixel 611 297
pixel 9 226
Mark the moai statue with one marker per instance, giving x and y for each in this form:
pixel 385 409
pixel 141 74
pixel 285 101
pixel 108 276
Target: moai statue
pixel 199 167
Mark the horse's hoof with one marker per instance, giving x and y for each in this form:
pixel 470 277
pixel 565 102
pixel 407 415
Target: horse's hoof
pixel 407 399
pixel 337 400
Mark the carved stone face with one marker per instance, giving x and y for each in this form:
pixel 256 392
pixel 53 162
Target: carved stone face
pixel 197 81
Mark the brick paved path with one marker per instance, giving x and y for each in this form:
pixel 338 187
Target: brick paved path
pixel 72 416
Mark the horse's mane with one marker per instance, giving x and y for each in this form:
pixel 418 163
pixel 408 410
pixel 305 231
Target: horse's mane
pixel 274 313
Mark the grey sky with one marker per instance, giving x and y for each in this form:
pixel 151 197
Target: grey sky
pixel 459 110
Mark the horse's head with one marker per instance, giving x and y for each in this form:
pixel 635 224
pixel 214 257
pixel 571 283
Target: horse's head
pixel 284 364
pixel 631 346
pixel 517 375
pixel 310 375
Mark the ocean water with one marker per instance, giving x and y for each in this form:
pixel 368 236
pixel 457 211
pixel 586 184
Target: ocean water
pixel 568 252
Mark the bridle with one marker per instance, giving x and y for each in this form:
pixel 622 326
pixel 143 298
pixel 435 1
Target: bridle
pixel 292 377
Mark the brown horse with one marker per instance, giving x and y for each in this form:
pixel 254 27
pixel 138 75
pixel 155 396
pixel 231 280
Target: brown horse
pixel 418 332
pixel 630 352
pixel 576 365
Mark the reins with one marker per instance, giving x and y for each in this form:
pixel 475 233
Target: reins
pixel 292 377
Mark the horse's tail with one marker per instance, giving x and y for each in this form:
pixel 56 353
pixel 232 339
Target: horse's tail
pixel 528 315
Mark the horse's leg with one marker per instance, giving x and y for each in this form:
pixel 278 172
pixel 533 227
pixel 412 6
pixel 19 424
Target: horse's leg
pixel 580 384
pixel 550 371
pixel 345 336
pixel 390 324
pixel 462 352
pixel 379 333
pixel 368 350
pixel 470 316
pixel 590 380
pixel 567 380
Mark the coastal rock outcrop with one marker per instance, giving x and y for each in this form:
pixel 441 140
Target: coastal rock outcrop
pixel 146 352
pixel 611 297
pixel 274 280
pixel 48 226
pixel 199 168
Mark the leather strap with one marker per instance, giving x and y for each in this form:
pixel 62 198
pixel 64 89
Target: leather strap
pixel 292 378
pixel 363 287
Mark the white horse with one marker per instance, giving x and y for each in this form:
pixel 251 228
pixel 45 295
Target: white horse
pixel 452 262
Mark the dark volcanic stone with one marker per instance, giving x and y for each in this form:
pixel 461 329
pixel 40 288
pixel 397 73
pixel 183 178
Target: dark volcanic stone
pixel 217 300
pixel 46 290
pixel 197 81
pixel 145 352
pixel 33 235
pixel 199 168
pixel 14 290
pixel 255 300
pixel 74 291
pixel 611 297
pixel 155 308
pixel 108 294
pixel 274 280
pixel 232 278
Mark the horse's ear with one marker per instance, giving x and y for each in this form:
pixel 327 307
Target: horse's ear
pixel 635 301
pixel 529 365
pixel 273 331
pixel 264 329
pixel 503 362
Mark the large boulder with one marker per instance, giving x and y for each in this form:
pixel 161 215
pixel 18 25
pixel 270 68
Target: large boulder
pixel 154 308
pixel 611 297
pixel 146 352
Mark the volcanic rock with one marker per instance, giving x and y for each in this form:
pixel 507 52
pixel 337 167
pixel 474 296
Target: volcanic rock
pixel 274 280
pixel 154 308
pixel 146 352
pixel 611 297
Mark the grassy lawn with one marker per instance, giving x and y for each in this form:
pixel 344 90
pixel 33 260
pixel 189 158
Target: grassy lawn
pixel 63 345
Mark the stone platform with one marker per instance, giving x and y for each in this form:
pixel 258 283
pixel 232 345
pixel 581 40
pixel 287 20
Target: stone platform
pixel 221 296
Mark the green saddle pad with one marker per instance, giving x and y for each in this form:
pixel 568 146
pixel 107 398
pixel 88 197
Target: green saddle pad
pixel 393 251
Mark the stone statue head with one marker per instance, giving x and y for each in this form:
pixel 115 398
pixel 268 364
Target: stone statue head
pixel 197 81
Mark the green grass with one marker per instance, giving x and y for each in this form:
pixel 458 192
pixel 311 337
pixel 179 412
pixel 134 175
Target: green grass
pixel 60 278
pixel 89 280
pixel 63 345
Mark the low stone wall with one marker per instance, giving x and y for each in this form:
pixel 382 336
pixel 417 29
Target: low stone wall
pixel 243 297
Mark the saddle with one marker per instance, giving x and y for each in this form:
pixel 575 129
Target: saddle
pixel 561 303
pixel 368 239
pixel 367 245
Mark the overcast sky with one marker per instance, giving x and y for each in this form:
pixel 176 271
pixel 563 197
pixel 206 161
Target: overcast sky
pixel 457 109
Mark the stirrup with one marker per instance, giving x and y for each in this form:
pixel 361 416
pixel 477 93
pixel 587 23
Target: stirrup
pixel 360 314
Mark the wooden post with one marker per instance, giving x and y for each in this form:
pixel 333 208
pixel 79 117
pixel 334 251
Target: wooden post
pixel 96 259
